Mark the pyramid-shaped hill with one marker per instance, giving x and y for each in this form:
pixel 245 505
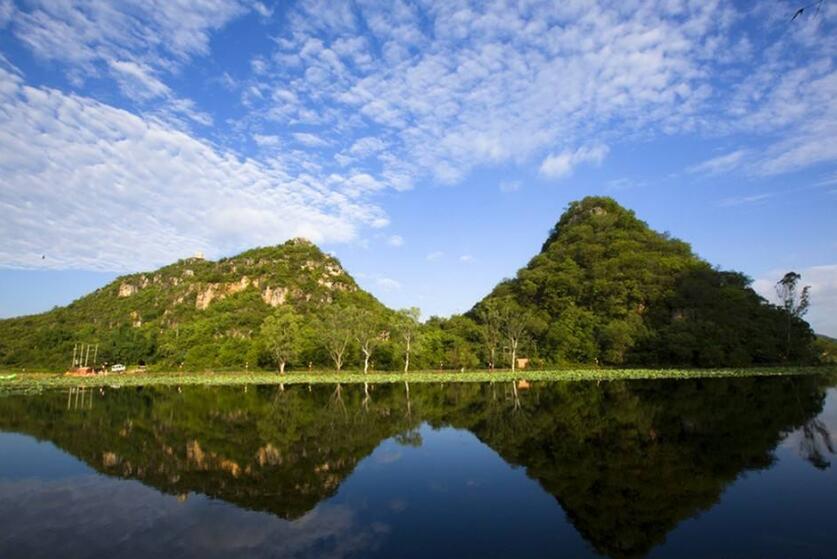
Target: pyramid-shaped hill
pixel 199 312
pixel 608 289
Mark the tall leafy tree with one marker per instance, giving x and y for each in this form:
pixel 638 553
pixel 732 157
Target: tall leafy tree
pixel 794 302
pixel 370 332
pixel 513 323
pixel 408 327
pixel 335 331
pixel 281 334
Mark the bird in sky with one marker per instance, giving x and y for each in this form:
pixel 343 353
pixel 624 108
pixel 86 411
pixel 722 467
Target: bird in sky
pixel 801 10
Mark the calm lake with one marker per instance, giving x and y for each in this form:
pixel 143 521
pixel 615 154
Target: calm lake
pixel 691 468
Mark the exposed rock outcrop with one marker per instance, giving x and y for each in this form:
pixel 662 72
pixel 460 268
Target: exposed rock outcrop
pixel 274 296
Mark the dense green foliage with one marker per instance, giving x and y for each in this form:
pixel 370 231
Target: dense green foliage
pixel 826 349
pixel 627 460
pixel 605 290
pixel 608 289
pixel 195 314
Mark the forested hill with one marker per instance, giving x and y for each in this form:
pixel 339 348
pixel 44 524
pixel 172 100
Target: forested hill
pixel 197 312
pixel 606 287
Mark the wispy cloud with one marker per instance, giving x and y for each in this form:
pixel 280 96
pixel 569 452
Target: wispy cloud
pixel 562 164
pixel 138 81
pixel 351 100
pixel 720 164
pixel 388 284
pixel 86 35
pixel 395 241
pixel 267 140
pixel 745 200
pixel 309 140
pixel 160 192
pixel 436 255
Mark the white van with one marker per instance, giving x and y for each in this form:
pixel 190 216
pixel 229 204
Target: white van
pixel 118 368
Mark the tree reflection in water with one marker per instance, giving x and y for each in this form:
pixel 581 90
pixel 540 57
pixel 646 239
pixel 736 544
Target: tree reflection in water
pixel 627 461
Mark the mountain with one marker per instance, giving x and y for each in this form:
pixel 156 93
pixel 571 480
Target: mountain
pixel 196 312
pixel 607 288
pixel 604 289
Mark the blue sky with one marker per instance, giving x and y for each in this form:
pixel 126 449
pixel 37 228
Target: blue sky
pixel 430 146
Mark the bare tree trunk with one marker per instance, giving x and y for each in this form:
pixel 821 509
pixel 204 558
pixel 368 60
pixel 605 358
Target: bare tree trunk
pixel 281 367
pixel 513 354
pixel 407 357
pixel 365 361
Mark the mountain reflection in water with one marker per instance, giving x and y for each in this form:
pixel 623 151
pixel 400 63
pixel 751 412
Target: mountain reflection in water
pixel 627 461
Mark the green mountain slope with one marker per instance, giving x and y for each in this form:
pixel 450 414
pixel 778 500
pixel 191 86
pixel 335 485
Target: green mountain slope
pixel 196 312
pixel 606 288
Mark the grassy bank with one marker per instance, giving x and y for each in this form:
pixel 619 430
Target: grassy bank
pixel 17 382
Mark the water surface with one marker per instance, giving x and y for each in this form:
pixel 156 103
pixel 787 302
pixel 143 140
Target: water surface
pixel 693 468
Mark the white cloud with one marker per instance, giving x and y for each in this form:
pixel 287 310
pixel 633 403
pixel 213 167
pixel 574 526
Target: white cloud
pixel 398 97
pixel 309 140
pixel 395 241
pixel 460 86
pixel 332 530
pixel 365 147
pixel 623 183
pixel 436 255
pixel 138 81
pixel 720 164
pixel 562 165
pixel 158 32
pixel 7 9
pixel 745 200
pixel 136 42
pixel 267 140
pixel 387 284
pixel 262 10
pixel 822 314
pixel 137 193
pixel 466 258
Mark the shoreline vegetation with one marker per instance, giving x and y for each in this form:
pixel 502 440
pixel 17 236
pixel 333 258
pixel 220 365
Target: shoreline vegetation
pixel 17 382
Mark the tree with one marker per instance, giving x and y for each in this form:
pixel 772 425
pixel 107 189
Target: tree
pixel 280 332
pixel 794 302
pixel 408 323
pixel 369 333
pixel 513 322
pixel 336 332
pixel 489 315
